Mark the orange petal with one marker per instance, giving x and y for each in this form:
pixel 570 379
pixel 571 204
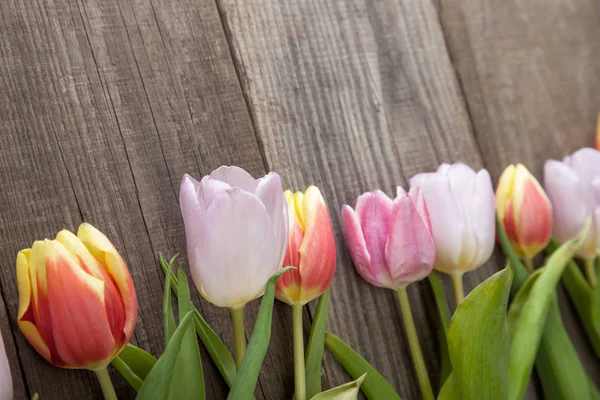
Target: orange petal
pixel 288 285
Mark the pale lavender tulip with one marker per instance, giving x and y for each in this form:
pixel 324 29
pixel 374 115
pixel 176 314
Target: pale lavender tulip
pixel 389 241
pixel 573 187
pixel 6 388
pixel 236 230
pixel 461 208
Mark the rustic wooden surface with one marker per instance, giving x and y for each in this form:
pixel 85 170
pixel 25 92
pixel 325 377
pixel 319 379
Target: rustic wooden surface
pixel 105 104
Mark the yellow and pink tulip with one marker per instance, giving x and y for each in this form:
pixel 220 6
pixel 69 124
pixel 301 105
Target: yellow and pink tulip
pixel 77 303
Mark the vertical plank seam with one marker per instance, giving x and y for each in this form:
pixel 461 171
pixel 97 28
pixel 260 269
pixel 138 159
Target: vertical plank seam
pixel 461 87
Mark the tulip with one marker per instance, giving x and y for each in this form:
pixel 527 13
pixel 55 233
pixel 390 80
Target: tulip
pixel 524 210
pixel 236 231
pixel 77 303
pixel 573 187
pixel 390 242
pixel 311 250
pixel 461 208
pixel 392 246
pixel 598 133
pixel 6 387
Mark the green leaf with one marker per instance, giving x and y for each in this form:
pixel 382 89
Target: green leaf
pixel 557 363
pixel 527 315
pixel 126 372
pixel 478 342
pixel 168 318
pixel 35 396
pixel 245 381
pixel 375 387
pixel 138 361
pixel 316 344
pixel 519 269
pixel 347 391
pixel 188 379
pixel 214 345
pixel 158 383
pixel 585 299
pixel 444 314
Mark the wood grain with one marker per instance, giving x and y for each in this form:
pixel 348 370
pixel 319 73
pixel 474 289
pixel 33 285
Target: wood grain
pixel 531 84
pixel 354 97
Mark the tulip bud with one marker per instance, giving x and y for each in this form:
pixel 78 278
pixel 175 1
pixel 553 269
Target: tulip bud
pixel 77 303
pixel 573 187
pixel 524 210
pixel 461 209
pixel 236 232
pixel 311 248
pixel 390 242
pixel 6 387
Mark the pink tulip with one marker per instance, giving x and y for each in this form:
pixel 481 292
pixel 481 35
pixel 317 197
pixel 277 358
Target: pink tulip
pixel 389 241
pixel 573 187
pixel 461 208
pixel 6 388
pixel 236 230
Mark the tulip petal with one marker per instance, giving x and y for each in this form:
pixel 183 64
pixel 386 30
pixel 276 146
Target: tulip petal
pixel 357 246
pixel 409 251
pixel 235 177
pixel 6 387
pixel 288 285
pixel 237 236
pixel 270 192
pixel 77 311
pixel 374 210
pixel 121 305
pixel 483 217
pixel 419 200
pixel 445 216
pixel 317 253
pixel 569 205
pixel 586 164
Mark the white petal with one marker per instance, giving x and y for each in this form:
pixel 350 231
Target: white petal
pixel 234 252
pixel 270 192
pixel 483 218
pixel 235 177
pixel 6 388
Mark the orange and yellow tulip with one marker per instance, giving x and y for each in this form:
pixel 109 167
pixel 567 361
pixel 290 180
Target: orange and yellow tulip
pixel 77 303
pixel 524 210
pixel 311 248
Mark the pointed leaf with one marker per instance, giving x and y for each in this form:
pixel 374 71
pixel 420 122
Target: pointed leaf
pixel 212 342
pixel 478 342
pixel 139 361
pixel 316 344
pixel 519 269
pixel 168 318
pixel 444 314
pixel 374 386
pixel 527 314
pixel 188 378
pixel 347 391
pixel 245 381
pixel 158 383
pixel 126 372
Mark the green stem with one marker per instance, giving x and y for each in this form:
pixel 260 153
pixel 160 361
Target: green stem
pixel 299 369
pixel 415 348
pixel 457 284
pixel 239 335
pixel 590 271
pixel 107 388
pixel 528 264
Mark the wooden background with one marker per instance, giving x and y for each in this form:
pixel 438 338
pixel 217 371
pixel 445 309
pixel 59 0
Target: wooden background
pixel 105 104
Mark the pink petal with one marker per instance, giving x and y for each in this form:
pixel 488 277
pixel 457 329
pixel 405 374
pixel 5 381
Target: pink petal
pixel 410 250
pixel 6 387
pixel 374 210
pixel 357 246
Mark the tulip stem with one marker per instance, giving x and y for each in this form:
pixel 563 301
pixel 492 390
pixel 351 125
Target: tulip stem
pixel 107 388
pixel 590 271
pixel 459 291
pixel 413 343
pixel 239 335
pixel 299 368
pixel 528 264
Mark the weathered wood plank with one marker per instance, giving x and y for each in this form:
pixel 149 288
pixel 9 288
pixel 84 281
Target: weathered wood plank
pixel 354 96
pixel 531 76
pixel 106 105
